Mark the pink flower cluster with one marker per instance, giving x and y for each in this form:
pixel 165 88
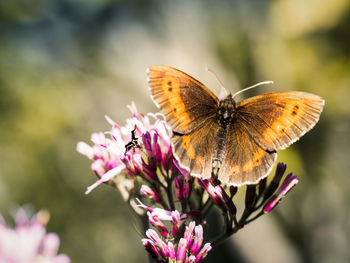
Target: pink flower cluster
pixel 188 249
pixel 28 241
pixel 137 159
pixel 108 152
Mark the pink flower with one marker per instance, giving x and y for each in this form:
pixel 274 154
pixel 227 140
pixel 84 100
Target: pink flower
pixel 183 184
pixel 189 233
pixel 161 213
pixel 50 247
pixel 181 251
pixel 280 170
pixel 155 221
pixel 198 239
pixel 29 242
pixel 214 191
pixel 108 149
pixel 158 242
pixel 150 193
pixel 191 259
pixel 204 252
pixel 150 247
pixel 175 231
pixel 172 254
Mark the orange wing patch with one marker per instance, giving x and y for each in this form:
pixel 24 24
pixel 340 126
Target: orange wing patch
pixel 186 144
pixel 256 161
pixel 171 91
pixel 185 102
pixel 292 112
pixel 166 93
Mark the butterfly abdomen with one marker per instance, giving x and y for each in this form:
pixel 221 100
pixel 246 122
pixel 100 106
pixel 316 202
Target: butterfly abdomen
pixel 225 116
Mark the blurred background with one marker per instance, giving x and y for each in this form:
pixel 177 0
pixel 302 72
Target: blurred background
pixel 64 64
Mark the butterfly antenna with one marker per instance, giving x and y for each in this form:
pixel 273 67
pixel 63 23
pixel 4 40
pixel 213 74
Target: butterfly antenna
pixel 254 86
pixel 217 79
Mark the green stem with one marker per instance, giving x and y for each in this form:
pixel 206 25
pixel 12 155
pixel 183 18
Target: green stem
pixel 238 225
pixel 170 195
pixel 206 207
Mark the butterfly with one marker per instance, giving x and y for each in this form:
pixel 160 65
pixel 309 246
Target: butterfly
pixel 238 140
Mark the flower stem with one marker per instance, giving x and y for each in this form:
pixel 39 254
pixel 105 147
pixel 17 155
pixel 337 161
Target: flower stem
pixel 206 207
pixel 255 217
pixel 238 225
pixel 217 241
pixel 170 195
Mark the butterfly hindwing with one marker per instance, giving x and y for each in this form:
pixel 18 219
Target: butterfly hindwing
pixel 194 150
pixel 244 162
pixel 278 119
pixel 185 102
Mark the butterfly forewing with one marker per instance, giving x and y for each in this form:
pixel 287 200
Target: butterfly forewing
pixel 278 119
pixel 185 102
pixel 245 162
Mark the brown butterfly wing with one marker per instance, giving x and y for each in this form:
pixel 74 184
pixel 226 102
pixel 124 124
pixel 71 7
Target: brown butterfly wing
pixel 194 150
pixel 278 119
pixel 185 102
pixel 245 162
pixel 264 124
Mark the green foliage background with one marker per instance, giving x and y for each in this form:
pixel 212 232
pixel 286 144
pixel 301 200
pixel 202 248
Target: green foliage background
pixel 64 64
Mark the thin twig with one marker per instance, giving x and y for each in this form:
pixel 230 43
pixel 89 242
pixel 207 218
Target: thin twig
pixel 170 195
pixel 255 217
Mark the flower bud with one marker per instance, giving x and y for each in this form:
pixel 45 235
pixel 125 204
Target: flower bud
pixel 289 182
pixel 150 247
pixel 178 183
pixel 159 225
pixel 188 235
pixel 204 252
pixel 175 231
pixel 152 235
pixel 172 254
pixel 181 250
pixel 280 169
pixel 150 193
pixel 198 239
pixel 215 192
pixel 250 196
